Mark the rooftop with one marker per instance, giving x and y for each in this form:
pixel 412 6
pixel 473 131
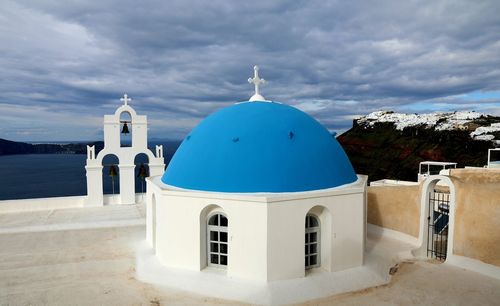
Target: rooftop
pixel 91 262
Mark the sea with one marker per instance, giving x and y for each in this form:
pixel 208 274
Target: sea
pixel 27 176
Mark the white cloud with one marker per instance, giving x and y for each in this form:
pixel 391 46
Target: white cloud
pixel 181 60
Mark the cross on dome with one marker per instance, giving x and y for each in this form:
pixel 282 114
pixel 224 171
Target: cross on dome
pixel 257 81
pixel 125 99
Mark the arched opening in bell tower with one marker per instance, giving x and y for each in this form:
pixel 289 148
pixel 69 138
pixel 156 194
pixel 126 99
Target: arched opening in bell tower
pixel 110 174
pixel 141 162
pixel 126 129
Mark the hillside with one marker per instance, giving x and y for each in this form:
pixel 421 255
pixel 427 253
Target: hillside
pixel 391 145
pixel 8 147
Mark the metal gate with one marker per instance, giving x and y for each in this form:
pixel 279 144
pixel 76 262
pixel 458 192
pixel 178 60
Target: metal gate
pixel 437 220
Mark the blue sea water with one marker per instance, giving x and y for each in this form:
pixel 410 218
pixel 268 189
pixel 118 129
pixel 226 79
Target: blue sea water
pixel 53 175
pixel 42 175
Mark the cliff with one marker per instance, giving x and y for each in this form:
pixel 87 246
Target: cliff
pixel 391 145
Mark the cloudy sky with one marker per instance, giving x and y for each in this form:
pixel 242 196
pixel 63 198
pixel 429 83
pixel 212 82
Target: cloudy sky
pixel 64 64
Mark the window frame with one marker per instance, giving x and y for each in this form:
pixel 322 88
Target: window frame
pixel 307 242
pixel 219 229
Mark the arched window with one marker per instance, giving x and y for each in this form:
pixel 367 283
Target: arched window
pixel 312 242
pixel 217 240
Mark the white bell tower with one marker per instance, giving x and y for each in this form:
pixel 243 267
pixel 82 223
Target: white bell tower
pixel 126 156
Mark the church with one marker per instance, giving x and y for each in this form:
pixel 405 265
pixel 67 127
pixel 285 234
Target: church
pixel 261 191
pixel 260 205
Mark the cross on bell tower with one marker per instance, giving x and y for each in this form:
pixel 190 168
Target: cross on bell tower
pixel 125 99
pixel 257 81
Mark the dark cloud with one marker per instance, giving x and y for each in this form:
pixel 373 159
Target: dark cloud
pixel 65 64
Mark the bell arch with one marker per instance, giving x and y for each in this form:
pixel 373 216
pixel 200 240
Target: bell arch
pixel 126 129
pixel 110 174
pixel 141 162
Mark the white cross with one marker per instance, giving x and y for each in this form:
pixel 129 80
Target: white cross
pixel 125 99
pixel 257 81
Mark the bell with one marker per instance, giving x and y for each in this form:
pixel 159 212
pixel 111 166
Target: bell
pixel 142 172
pixel 112 170
pixel 125 128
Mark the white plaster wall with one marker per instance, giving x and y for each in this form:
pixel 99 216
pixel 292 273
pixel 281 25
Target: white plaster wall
pixel 177 239
pixel 247 240
pixel 349 221
pixel 127 183
pixel 12 206
pixel 266 231
pixel 285 257
pixel 342 237
pixel 151 189
pixel 37 204
pixel 141 130
pixel 181 234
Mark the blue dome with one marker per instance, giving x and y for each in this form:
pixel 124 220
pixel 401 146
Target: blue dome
pixel 259 147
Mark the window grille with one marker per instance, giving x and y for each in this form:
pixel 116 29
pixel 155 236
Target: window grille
pixel 217 248
pixel 312 242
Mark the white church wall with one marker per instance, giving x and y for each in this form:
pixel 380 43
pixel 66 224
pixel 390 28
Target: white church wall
pixel 342 218
pixel 266 232
pixel 286 223
pixel 348 218
pixel 248 240
pixel 153 194
pixel 181 233
pixel 177 239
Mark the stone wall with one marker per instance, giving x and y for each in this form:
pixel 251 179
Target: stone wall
pixel 395 207
pixel 477 214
